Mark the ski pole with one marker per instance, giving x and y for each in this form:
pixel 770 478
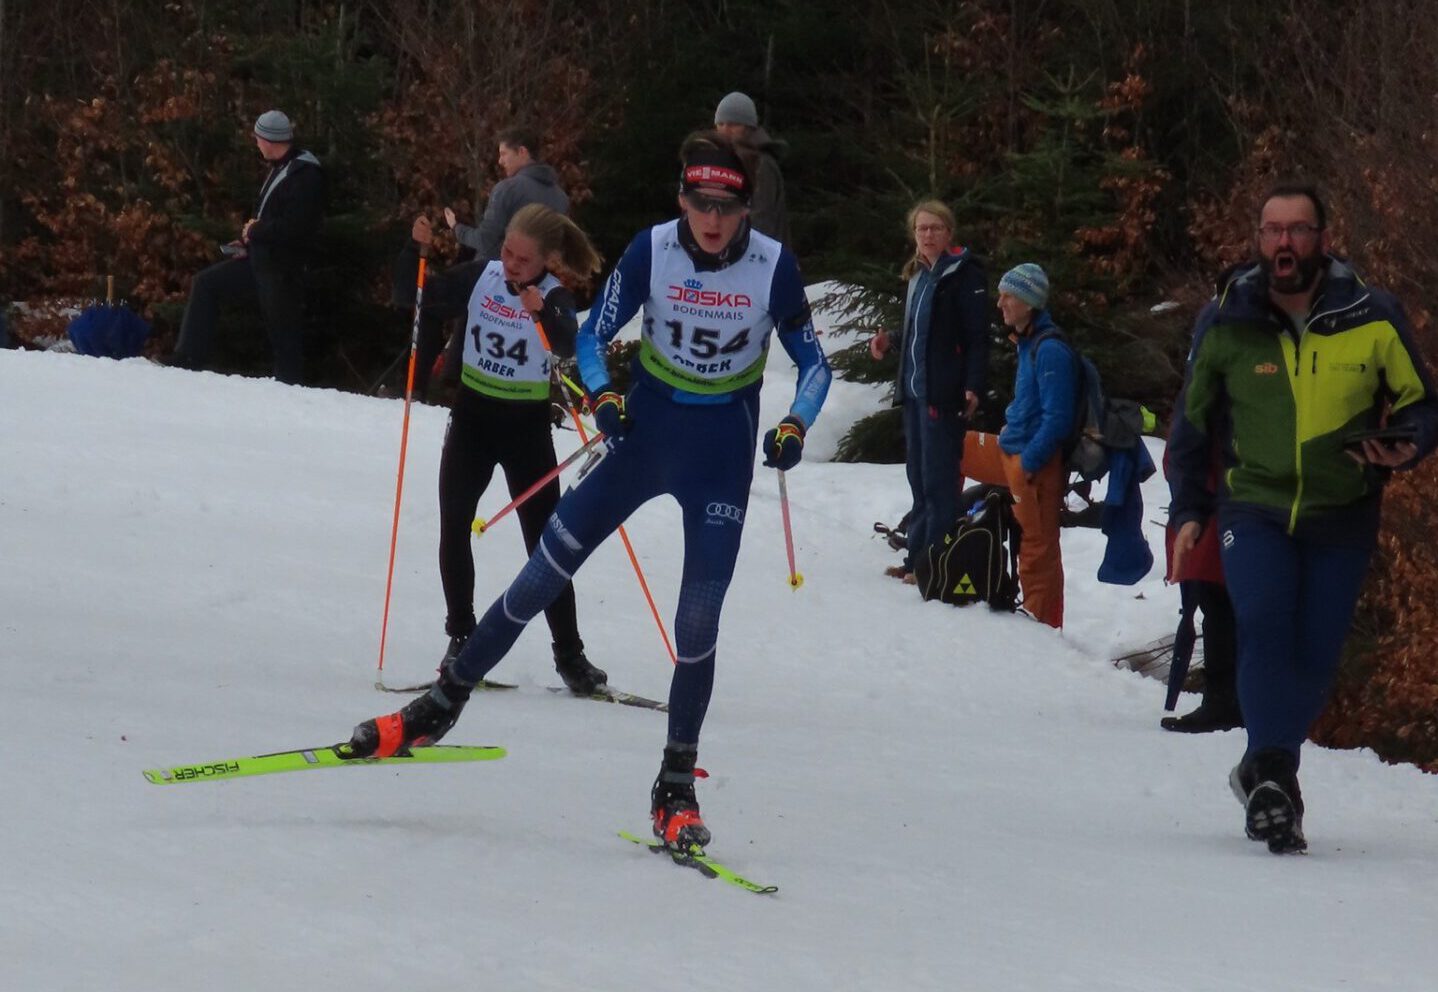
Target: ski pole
pixel 623 534
pixel 399 477
pixel 481 525
pixel 795 579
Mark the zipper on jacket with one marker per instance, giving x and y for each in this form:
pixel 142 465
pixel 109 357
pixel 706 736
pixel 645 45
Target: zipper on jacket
pixel 1297 431
pixel 914 342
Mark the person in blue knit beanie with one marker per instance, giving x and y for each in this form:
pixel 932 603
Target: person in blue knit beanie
pixel 1027 455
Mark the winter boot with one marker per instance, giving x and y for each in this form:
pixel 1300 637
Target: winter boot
pixel 1267 786
pixel 671 802
pixel 582 678
pixel 422 721
pixel 1217 712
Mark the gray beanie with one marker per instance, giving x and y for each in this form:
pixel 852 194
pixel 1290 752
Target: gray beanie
pixel 273 125
pixel 1028 282
pixel 736 108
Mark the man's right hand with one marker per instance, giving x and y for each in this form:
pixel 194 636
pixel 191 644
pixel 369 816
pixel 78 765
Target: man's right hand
pixel 878 345
pixel 609 413
pixel 1184 542
pixel 450 218
pixel 422 231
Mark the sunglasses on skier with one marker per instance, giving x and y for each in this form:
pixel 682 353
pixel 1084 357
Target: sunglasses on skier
pixel 724 207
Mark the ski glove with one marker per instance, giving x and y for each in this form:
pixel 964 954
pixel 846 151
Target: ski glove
pixel 784 445
pixel 609 414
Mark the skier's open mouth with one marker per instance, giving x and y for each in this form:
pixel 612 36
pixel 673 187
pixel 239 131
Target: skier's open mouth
pixel 1284 264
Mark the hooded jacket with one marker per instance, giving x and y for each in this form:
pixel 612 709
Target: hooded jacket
pixel 767 211
pixel 1278 401
pixel 289 210
pixel 956 353
pixel 536 182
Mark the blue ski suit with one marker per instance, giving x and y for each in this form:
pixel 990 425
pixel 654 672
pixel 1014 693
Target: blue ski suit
pixel 692 433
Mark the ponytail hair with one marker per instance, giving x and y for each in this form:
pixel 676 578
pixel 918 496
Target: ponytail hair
pixel 556 234
pixel 940 210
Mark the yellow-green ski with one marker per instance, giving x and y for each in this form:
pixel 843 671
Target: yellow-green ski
pixel 307 759
pixel 701 862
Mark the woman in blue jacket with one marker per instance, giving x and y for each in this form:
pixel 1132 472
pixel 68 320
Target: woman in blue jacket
pixel 943 368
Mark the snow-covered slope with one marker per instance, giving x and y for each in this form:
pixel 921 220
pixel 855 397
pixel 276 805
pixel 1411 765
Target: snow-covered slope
pixel 193 567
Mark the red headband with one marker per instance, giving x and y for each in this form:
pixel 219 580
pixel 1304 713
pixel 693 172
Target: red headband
pixel 714 175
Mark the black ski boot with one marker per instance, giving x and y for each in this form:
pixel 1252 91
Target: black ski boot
pixel 421 721
pixel 1267 786
pixel 582 678
pixel 1216 712
pixel 672 804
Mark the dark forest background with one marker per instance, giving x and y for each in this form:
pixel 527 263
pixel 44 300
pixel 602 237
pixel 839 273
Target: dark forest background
pixel 1120 143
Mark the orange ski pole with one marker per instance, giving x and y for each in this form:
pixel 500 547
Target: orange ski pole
pixel 623 534
pixel 399 477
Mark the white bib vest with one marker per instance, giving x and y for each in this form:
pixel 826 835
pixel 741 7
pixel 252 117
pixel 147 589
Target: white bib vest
pixel 707 332
pixel 503 355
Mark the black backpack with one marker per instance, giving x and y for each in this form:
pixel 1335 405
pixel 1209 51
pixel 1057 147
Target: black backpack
pixel 977 561
pixel 1100 423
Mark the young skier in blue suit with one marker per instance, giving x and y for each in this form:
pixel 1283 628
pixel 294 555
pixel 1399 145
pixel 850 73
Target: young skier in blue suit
pixel 711 290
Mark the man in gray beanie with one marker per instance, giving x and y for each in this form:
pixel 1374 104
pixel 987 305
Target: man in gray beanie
pixel 266 264
pixel 737 119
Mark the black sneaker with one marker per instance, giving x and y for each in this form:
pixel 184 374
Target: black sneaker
pixel 582 678
pixel 1211 715
pixel 1267 786
pixel 421 721
pixel 672 804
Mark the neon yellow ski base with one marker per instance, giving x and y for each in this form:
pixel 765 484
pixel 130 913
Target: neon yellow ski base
pixel 696 858
pixel 333 756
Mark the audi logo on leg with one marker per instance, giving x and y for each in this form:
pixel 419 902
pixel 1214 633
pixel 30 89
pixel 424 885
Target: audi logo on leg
pixel 727 510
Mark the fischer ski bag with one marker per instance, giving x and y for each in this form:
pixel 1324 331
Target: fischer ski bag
pixel 977 561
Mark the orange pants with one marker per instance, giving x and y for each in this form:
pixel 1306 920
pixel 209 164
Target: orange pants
pixel 1036 507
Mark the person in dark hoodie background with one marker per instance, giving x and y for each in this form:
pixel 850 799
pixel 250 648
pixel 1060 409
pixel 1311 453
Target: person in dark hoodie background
pixel 943 370
pixel 1293 355
pixel 1027 456
pixel 267 261
pixel 738 120
pixel 526 180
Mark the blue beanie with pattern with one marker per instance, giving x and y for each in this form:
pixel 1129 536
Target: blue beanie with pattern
pixel 1027 282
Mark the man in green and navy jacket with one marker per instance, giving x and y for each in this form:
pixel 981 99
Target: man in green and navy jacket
pixel 1294 353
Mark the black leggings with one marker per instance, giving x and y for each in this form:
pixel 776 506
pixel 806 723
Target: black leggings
pixel 1220 639
pixel 514 435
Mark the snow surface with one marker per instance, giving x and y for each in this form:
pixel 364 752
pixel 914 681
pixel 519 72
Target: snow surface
pixel 194 568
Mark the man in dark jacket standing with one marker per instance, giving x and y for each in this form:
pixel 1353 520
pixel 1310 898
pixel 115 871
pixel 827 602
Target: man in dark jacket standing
pixel 943 370
pixel 738 120
pixel 267 262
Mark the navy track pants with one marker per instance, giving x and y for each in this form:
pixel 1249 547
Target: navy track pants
pixel 703 456
pixel 1293 599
